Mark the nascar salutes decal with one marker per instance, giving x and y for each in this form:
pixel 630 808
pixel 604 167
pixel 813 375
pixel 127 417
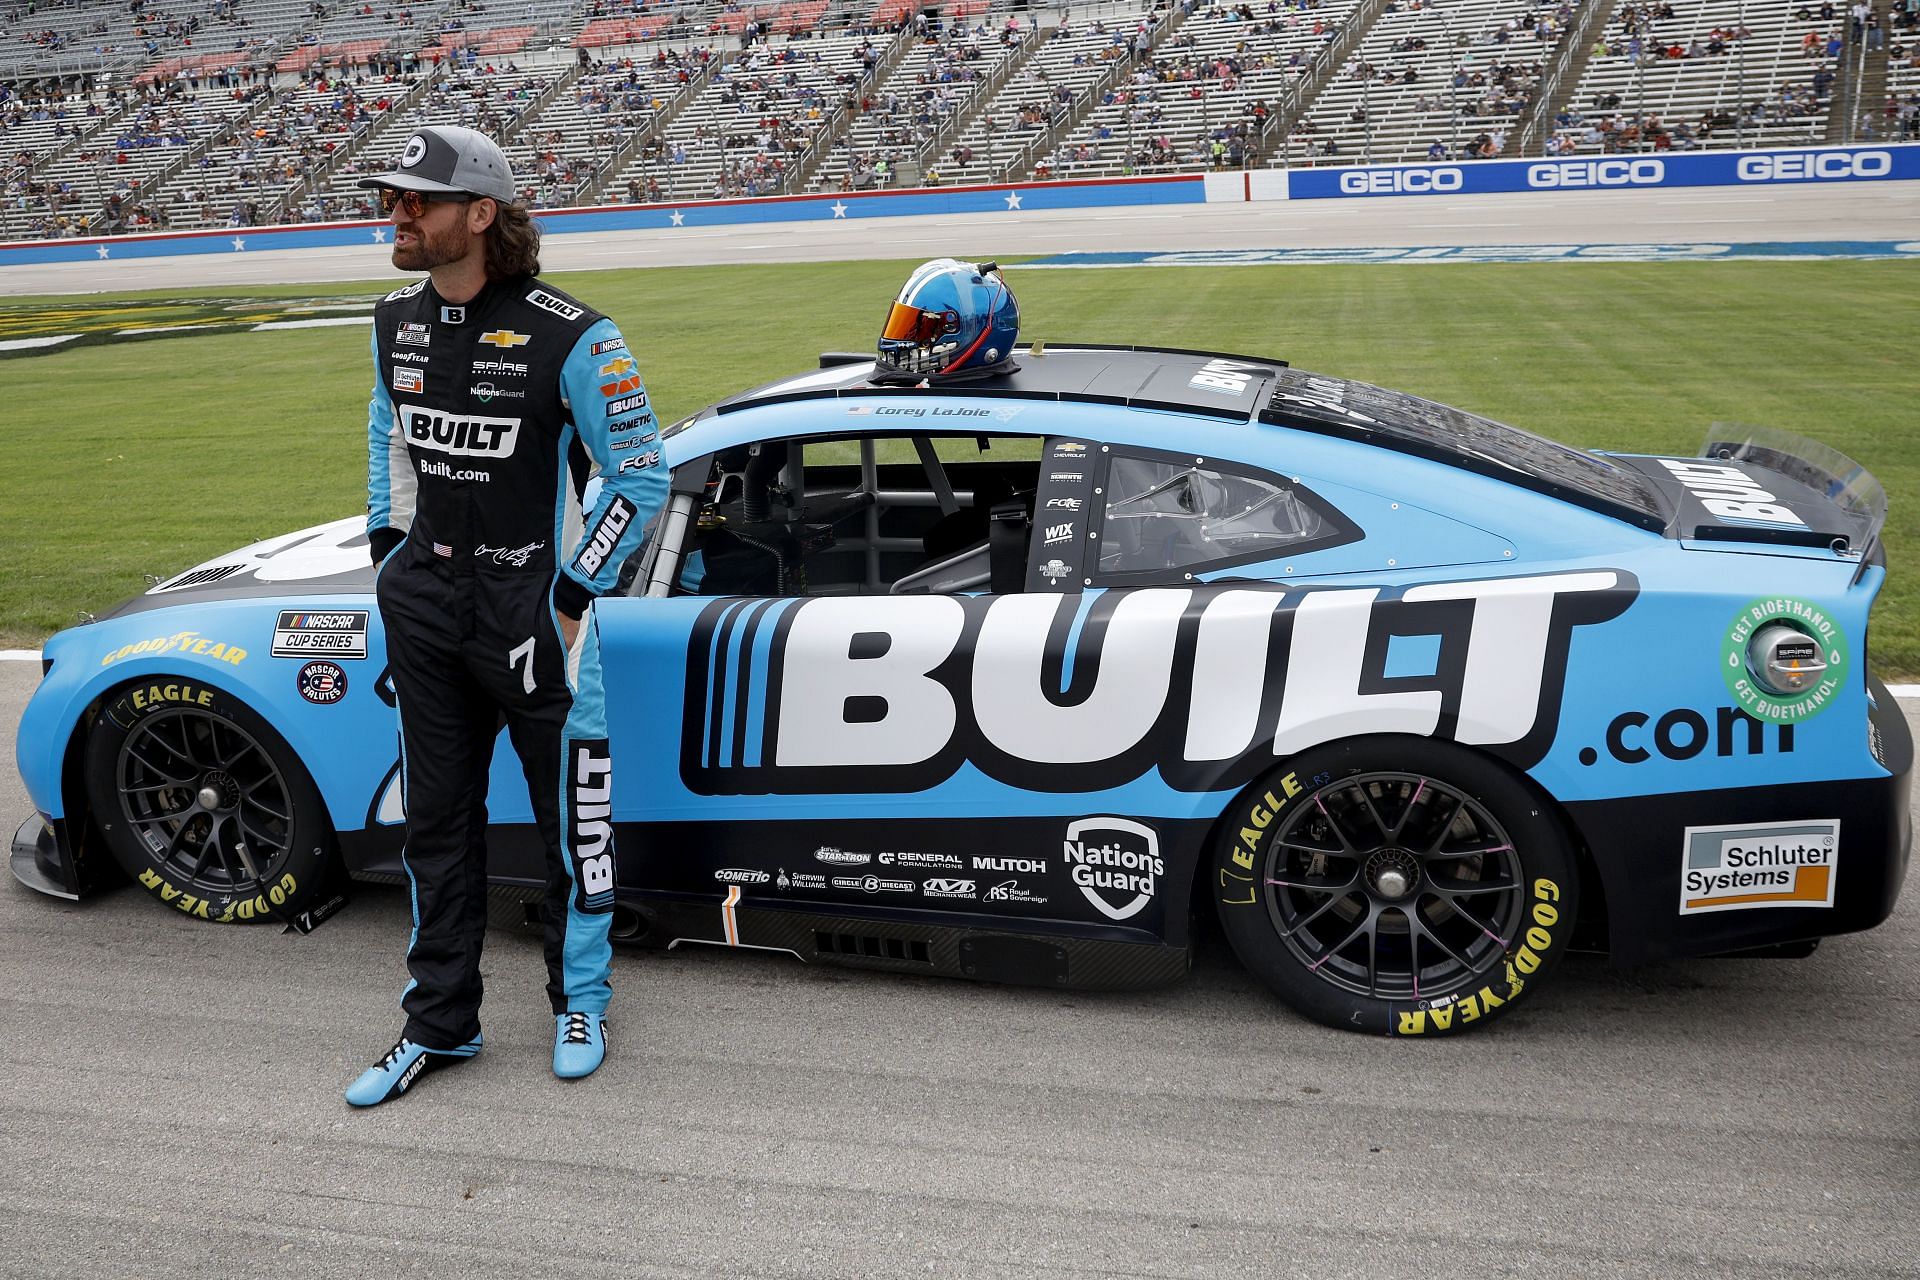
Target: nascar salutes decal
pixel 322 683
pixel 1769 864
pixel 1206 684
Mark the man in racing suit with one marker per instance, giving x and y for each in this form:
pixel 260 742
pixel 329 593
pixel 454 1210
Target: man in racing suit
pixel 496 397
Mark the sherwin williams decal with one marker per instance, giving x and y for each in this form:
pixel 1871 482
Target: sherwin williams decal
pixel 1769 864
pixel 1205 684
pixel 1764 704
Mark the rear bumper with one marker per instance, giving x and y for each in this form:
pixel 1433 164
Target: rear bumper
pixel 1638 850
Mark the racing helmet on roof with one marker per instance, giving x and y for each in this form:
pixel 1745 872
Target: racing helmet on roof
pixel 953 320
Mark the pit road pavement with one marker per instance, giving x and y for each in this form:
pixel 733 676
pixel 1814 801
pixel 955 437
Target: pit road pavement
pixel 173 1109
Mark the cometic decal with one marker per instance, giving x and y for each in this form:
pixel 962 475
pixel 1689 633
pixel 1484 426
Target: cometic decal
pixel 1048 693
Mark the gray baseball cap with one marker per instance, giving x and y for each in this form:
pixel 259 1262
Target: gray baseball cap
pixel 445 159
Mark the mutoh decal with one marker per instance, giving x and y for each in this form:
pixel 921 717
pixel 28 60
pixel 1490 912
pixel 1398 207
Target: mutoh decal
pixel 1206 684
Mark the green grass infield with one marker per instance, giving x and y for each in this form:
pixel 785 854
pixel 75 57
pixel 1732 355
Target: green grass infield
pixel 144 456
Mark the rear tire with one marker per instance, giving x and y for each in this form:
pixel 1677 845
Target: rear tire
pixel 1397 886
pixel 205 806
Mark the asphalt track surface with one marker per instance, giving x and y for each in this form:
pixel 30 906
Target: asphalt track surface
pixel 173 1088
pixel 1849 211
pixel 173 1109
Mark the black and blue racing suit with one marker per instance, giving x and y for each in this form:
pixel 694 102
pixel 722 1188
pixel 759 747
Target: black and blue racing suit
pixel 487 420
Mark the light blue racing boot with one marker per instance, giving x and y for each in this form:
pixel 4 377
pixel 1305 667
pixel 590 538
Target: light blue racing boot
pixel 579 1044
pixel 405 1063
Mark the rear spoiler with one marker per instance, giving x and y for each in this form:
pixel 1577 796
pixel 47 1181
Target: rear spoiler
pixel 1761 484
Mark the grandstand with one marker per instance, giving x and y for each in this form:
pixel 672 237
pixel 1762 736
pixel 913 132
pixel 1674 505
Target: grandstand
pixel 1210 97
pixel 752 127
pixel 1012 133
pixel 896 123
pixel 1434 79
pixel 129 115
pixel 1900 117
pixel 1705 73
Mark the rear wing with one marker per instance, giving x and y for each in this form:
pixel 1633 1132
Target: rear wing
pixel 1761 484
pixel 1849 488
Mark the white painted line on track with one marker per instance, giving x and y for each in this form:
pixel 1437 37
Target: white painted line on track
pixel 21 344
pixel 19 655
pixel 312 324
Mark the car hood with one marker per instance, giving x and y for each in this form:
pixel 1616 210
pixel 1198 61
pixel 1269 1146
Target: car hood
pixel 328 559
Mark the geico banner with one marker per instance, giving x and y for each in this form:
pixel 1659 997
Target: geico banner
pixel 1665 169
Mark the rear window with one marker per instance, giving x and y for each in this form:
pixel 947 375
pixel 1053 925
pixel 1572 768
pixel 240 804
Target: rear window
pixel 1396 420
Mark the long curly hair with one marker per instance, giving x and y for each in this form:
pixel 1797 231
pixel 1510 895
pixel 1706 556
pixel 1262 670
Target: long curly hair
pixel 513 243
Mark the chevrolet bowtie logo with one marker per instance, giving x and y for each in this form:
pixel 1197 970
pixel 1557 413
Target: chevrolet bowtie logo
pixel 506 338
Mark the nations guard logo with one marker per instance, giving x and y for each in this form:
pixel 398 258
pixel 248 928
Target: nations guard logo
pixel 1116 862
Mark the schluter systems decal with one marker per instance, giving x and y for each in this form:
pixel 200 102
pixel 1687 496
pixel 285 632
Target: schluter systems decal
pixel 1770 864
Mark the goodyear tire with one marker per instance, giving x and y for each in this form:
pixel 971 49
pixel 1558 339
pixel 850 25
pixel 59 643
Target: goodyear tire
pixel 205 806
pixel 1399 886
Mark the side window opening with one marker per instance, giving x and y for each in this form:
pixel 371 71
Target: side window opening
pixel 858 515
pixel 1163 515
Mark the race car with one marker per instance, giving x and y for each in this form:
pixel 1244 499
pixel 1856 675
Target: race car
pixel 1007 679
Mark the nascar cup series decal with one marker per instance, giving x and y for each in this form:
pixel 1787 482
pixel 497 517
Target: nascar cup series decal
pixel 1826 643
pixel 1770 864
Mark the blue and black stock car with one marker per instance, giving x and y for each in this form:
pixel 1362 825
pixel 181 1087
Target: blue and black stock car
pixel 1006 679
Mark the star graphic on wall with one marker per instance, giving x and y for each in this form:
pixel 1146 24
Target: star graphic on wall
pixel 379 235
pixel 1013 199
pixel 839 209
pixel 678 217
pixel 102 251
pixel 239 244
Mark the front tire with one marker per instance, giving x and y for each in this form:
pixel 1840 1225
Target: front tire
pixel 205 806
pixel 1397 886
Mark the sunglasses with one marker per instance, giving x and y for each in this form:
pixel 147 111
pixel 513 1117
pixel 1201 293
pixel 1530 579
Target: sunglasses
pixel 415 202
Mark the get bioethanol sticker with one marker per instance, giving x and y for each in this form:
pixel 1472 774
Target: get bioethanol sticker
pixel 1764 704
pixel 1772 864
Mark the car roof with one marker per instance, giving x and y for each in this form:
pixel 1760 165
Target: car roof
pixel 1257 390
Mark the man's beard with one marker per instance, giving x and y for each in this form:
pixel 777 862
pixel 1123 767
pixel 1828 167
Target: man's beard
pixel 433 248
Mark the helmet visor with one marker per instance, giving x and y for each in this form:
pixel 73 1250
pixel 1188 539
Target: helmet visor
pixel 908 323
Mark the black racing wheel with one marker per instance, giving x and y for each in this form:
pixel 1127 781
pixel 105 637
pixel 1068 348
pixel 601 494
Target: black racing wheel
pixel 205 805
pixel 1395 885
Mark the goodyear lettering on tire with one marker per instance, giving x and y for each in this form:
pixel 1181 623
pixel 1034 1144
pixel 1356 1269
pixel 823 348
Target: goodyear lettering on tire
pixel 1536 943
